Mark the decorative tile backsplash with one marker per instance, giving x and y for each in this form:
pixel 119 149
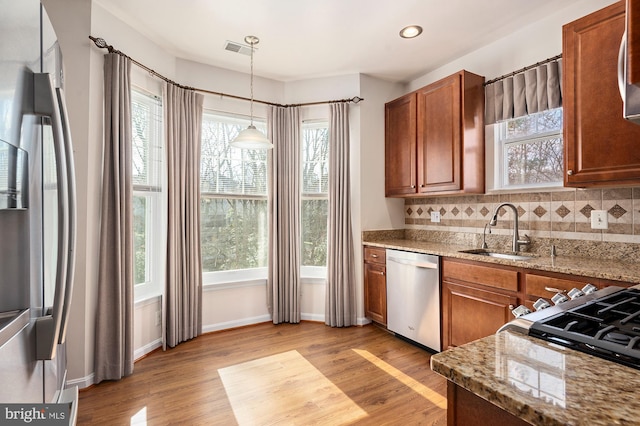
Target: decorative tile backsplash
pixel 562 214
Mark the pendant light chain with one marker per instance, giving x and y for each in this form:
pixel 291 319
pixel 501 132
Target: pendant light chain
pixel 253 41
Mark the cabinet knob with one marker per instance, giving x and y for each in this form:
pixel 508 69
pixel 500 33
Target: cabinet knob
pixel 374 255
pixel 570 172
pixel 413 187
pixel 423 185
pixel 511 307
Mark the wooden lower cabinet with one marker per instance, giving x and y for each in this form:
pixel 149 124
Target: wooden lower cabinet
pixel 467 409
pixel 477 300
pixel 478 297
pixel 471 313
pixel 375 284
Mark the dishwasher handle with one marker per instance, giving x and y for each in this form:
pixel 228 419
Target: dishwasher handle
pixel 416 263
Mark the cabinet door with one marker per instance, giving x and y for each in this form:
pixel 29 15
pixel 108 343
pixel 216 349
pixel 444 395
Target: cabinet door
pixel 400 146
pixel 439 135
pixel 471 313
pixel 375 292
pixel 601 147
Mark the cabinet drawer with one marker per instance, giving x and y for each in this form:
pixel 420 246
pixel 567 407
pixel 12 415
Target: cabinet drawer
pixel 540 286
pixel 496 277
pixel 375 255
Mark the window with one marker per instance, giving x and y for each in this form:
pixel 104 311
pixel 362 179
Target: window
pixel 315 194
pixel 233 215
pixel 529 151
pixel 233 185
pixel 148 229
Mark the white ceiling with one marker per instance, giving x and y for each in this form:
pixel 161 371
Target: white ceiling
pixel 302 39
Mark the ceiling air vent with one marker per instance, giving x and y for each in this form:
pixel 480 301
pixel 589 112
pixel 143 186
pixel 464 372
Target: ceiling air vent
pixel 232 46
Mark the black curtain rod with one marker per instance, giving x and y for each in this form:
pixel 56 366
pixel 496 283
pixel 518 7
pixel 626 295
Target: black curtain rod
pixel 511 74
pixel 102 44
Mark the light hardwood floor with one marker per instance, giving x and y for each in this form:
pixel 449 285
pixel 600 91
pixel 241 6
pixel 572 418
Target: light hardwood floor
pixel 287 374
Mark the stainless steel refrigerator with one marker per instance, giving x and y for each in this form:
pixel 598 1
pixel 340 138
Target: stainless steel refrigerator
pixel 37 209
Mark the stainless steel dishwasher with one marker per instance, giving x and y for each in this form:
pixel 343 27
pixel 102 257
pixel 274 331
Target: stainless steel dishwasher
pixel 413 297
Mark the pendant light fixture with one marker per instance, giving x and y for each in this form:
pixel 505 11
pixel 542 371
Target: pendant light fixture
pixel 251 138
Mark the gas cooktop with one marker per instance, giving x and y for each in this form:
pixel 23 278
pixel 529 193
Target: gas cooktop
pixel 605 324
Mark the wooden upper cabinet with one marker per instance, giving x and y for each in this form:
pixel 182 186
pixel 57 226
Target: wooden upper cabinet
pixel 601 147
pixel 439 141
pixel 435 139
pixel 400 146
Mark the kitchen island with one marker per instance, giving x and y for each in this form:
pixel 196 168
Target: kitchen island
pixel 512 379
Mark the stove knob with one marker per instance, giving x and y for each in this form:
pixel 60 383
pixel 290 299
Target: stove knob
pixel 574 293
pixel 541 304
pixel 559 298
pixel 520 311
pixel 589 288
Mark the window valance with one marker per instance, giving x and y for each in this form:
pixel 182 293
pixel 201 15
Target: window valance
pixel 535 89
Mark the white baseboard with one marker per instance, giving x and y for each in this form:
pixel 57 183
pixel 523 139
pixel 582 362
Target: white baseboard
pixel 82 382
pixel 236 323
pixel 312 317
pixel 149 347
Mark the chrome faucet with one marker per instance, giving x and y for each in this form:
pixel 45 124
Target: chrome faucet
pixel 517 242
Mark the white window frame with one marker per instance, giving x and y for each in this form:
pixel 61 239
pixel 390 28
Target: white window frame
pixel 236 277
pixel 500 177
pixel 155 212
pixel 314 273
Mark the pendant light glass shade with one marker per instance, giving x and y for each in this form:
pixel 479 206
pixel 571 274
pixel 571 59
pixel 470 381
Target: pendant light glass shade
pixel 251 138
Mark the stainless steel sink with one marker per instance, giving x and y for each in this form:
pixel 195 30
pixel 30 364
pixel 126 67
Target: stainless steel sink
pixel 509 256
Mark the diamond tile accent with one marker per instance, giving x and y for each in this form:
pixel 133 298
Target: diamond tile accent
pixel 442 211
pixel 563 211
pixel 420 211
pixel 521 211
pixel 586 211
pixel 484 211
pixel 455 211
pixel 409 211
pixel 429 210
pixel 469 211
pixel 539 211
pixel 617 211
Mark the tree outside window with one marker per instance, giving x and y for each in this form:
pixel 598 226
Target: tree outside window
pixel 530 151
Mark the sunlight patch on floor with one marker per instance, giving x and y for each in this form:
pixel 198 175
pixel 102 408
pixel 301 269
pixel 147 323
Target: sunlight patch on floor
pixel 415 385
pixel 139 418
pixel 285 389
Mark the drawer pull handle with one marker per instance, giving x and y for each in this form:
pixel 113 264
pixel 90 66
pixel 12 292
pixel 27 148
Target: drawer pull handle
pixel 374 256
pixel 555 290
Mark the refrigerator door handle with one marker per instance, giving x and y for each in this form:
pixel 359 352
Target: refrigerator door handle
pixel 71 206
pixel 48 326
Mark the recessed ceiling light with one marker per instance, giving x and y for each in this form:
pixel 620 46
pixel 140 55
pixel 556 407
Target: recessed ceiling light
pixel 411 31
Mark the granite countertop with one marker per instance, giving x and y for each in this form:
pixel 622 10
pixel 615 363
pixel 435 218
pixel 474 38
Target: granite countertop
pixel 542 383
pixel 584 266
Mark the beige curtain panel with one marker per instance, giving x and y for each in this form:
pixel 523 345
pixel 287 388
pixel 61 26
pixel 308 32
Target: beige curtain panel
pixel 113 355
pixel 340 303
pixel 535 90
pixel 283 281
pixel 183 286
